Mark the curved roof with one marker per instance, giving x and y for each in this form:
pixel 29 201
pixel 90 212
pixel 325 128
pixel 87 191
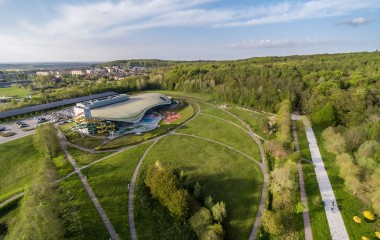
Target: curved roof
pixel 131 110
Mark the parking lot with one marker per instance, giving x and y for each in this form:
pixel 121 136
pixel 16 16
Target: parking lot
pixel 25 127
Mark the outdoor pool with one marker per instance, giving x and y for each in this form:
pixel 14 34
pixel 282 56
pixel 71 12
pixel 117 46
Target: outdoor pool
pixel 147 120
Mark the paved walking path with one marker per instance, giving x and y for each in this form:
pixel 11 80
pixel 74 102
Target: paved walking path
pixel 103 215
pixel 11 199
pixel 132 225
pixel 334 218
pixel 306 217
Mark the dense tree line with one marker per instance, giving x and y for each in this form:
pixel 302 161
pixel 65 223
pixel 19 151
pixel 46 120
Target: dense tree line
pixel 357 151
pixel 205 217
pixel 43 211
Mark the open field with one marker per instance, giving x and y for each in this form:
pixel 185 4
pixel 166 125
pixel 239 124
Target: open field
pixel 62 166
pixel 13 92
pixel 19 161
pixel 224 174
pixel 87 219
pixel 349 205
pixel 218 130
pixel 83 158
pixel 221 114
pixel 109 179
pixel 255 120
pixel 318 220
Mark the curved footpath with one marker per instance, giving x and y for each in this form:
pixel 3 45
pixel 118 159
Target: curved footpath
pixel 14 197
pixel 334 218
pixel 106 221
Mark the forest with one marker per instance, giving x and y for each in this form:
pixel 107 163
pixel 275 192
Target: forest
pixel 341 91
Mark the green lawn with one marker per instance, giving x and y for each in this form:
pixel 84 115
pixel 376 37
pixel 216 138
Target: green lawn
pixel 77 200
pixel 83 158
pixel 186 113
pixel 13 92
pixel 19 161
pixel 204 106
pixel 7 213
pixel 116 172
pixel 221 114
pixel 218 130
pixel 318 220
pixel 224 174
pixel 255 120
pixel 349 204
pixel 62 166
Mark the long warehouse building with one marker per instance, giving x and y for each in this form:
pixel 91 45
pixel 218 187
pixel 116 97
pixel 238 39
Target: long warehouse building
pixel 46 106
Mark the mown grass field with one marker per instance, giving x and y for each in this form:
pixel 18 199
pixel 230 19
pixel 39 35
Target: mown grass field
pixel 78 200
pixel 13 92
pixel 318 220
pixel 83 158
pixel 218 130
pixel 214 111
pixel 255 120
pixel 224 174
pixel 19 161
pixel 349 205
pixel 109 179
pixel 62 166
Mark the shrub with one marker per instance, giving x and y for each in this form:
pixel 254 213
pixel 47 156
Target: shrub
pixel 166 188
pixel 219 211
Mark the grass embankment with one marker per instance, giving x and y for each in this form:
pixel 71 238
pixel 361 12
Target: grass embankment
pixel 77 200
pixel 204 106
pixel 219 130
pixel 256 121
pixel 19 161
pixel 186 112
pixel 349 205
pixel 214 111
pixel 224 174
pixel 77 139
pixel 83 158
pixel 318 220
pixel 62 166
pixel 109 180
pixel 13 92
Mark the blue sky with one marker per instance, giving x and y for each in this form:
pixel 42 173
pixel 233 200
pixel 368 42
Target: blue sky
pixel 102 30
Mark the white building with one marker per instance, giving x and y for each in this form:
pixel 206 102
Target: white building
pixel 42 73
pixel 77 72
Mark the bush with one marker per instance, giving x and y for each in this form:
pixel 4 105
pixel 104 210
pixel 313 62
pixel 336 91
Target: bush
pixel 166 188
pixel 219 211
pixel 200 221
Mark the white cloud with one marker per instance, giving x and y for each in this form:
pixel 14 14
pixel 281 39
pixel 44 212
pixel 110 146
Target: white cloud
pixel 357 21
pixel 269 43
pixel 285 12
pixel 91 30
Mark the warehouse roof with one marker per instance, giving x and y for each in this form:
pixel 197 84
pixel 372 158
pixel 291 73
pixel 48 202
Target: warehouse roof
pixel 45 106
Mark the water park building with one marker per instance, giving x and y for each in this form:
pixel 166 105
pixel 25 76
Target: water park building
pixel 102 114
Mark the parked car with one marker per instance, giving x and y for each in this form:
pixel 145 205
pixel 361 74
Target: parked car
pixel 2 128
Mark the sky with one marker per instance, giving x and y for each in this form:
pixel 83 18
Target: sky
pixel 105 30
